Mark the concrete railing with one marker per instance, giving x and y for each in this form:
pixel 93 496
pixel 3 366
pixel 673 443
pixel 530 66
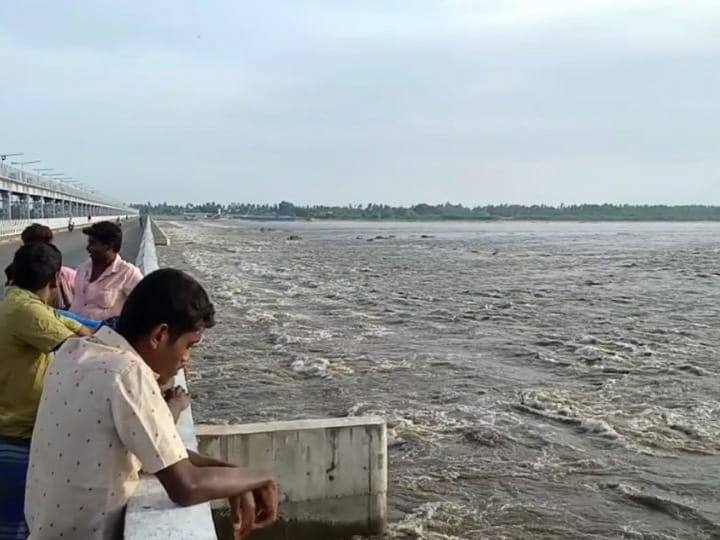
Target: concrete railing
pixel 332 473
pixel 13 227
pixel 150 513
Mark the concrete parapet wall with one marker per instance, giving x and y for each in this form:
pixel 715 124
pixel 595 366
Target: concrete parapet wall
pixel 332 473
pixel 13 227
pixel 161 239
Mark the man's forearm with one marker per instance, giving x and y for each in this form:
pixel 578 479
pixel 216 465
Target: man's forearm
pixel 200 460
pixel 188 484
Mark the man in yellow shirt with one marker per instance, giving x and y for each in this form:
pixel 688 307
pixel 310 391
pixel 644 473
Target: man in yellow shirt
pixel 30 331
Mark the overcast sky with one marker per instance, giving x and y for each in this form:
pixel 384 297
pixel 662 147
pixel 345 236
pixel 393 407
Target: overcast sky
pixel 356 101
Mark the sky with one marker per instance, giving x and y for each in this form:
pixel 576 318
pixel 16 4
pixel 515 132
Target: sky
pixel 358 101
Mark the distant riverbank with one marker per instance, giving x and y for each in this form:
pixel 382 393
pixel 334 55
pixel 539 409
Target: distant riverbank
pixel 604 219
pixel 442 212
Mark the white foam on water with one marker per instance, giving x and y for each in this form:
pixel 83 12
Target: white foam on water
pixel 323 368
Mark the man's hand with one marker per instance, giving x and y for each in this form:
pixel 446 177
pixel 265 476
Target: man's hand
pixel 84 331
pixel 254 510
pixel 266 501
pixel 242 514
pixel 177 400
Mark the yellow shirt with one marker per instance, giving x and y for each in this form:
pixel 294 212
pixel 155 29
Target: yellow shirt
pixel 29 331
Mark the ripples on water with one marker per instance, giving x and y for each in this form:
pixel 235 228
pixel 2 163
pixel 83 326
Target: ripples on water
pixel 539 380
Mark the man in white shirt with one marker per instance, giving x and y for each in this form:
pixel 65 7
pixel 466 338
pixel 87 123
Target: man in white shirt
pixel 102 418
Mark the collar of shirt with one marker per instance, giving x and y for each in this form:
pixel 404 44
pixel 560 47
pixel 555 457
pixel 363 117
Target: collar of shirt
pixel 18 294
pixel 114 268
pixel 116 264
pixel 87 267
pixel 108 336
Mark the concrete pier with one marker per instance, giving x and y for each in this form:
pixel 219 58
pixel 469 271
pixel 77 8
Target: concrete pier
pixel 332 473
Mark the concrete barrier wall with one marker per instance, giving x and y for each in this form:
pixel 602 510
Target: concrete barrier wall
pixel 150 513
pixel 332 473
pixel 13 227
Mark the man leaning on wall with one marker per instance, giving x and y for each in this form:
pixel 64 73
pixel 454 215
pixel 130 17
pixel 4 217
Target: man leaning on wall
pixel 102 417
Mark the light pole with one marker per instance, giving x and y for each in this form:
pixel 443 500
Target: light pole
pixel 3 157
pixel 23 163
pixel 54 176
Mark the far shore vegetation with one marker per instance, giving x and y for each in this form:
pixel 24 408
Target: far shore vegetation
pixel 443 212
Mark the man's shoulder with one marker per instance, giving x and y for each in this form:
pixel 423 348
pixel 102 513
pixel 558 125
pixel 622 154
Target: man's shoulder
pixel 91 354
pixel 67 272
pixel 19 302
pixel 128 267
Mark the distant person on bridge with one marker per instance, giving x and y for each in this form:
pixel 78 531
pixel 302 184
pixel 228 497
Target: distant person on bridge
pixel 102 417
pixel 29 331
pixel 103 283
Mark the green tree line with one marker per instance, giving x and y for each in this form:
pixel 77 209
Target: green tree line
pixel 447 211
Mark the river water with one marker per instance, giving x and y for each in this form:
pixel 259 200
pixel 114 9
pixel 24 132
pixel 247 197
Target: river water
pixel 539 380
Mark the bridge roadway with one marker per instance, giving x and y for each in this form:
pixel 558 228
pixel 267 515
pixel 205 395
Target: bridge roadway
pixel 72 245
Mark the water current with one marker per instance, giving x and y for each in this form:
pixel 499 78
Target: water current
pixel 539 380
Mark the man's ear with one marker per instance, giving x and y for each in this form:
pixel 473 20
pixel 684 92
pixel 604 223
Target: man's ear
pixel 159 335
pixel 54 281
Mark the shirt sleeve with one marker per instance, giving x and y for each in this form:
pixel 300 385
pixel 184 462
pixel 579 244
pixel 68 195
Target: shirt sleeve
pixel 144 423
pixel 68 275
pixel 135 277
pixel 39 327
pixel 71 324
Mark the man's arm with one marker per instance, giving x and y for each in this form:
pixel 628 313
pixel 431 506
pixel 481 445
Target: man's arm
pixel 134 277
pixel 75 327
pixel 145 426
pixel 41 328
pixel 187 483
pixel 200 460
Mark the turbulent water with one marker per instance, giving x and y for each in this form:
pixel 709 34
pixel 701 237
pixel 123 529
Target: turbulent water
pixel 538 380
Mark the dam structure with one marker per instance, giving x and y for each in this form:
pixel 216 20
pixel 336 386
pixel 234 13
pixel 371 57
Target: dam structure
pixel 27 197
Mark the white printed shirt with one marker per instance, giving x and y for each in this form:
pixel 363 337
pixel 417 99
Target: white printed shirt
pixel 101 419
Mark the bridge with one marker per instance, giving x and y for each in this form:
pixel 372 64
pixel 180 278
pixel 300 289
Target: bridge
pixel 25 195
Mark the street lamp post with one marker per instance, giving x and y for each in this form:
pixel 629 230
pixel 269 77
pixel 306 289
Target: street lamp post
pixel 23 163
pixel 3 157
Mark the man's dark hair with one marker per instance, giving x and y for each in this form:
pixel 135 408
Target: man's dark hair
pixel 35 265
pixel 107 233
pixel 166 296
pixel 37 233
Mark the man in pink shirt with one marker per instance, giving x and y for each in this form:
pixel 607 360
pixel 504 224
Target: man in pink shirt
pixel 103 283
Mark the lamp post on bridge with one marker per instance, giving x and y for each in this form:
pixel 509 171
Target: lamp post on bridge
pixel 22 175
pixel 23 163
pixel 3 157
pixel 74 184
